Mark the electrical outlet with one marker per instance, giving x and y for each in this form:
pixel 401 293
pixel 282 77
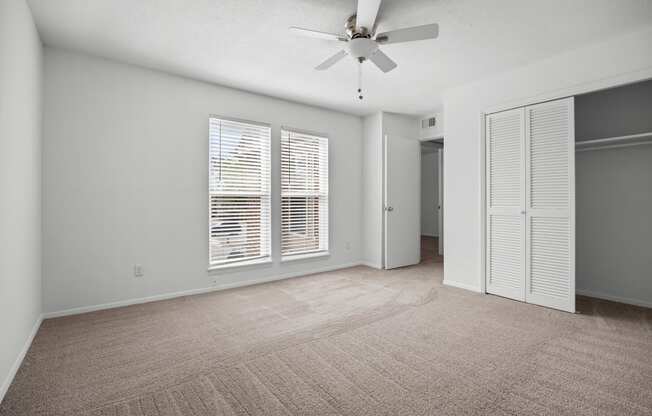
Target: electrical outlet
pixel 138 271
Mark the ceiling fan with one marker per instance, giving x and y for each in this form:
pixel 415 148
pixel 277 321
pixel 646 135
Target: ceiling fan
pixel 362 41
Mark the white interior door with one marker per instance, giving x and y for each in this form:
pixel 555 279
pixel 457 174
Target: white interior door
pixel 440 200
pixel 402 199
pixel 505 222
pixel 550 200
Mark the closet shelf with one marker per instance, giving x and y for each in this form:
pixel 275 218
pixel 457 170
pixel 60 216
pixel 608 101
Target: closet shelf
pixel 614 142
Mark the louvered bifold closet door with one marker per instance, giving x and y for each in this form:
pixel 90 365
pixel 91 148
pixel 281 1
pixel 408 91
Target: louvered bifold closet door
pixel 505 204
pixel 550 194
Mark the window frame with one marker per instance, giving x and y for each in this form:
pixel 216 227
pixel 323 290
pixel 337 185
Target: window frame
pixel 247 261
pixel 314 253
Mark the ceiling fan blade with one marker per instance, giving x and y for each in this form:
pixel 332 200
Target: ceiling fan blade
pixel 367 13
pixel 317 34
pixel 382 61
pixel 331 61
pixel 409 34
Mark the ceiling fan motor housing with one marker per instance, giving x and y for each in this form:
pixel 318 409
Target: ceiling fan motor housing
pixel 361 48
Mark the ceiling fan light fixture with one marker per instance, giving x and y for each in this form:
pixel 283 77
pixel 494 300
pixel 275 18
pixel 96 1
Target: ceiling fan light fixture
pixel 361 48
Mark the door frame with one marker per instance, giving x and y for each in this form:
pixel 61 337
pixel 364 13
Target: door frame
pixel 439 171
pixel 440 200
pixel 440 174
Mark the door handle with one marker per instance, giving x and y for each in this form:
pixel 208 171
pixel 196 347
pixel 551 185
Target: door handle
pixel 522 212
pixel 389 209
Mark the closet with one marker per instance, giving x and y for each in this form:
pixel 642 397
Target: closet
pixel 530 231
pixel 569 199
pixel 613 169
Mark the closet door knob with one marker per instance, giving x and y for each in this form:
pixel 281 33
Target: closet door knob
pixel 522 212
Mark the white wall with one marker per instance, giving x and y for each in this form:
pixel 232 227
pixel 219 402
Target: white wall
pixel 125 181
pixel 400 125
pixel 372 196
pixel 618 60
pixel 20 184
pixel 429 192
pixel 436 132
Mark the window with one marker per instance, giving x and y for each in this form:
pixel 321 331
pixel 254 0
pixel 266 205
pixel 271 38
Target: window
pixel 304 193
pixel 238 192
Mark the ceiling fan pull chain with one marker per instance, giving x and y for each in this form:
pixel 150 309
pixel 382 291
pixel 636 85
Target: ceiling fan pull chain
pixel 360 80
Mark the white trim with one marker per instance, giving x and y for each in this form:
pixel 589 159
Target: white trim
pixel 242 263
pixel 303 131
pixel 612 298
pixel 372 264
pixel 614 142
pixel 241 120
pixel 431 138
pixel 465 286
pixel 613 146
pixel 572 207
pixel 383 176
pixel 483 202
pixel 217 287
pixel 305 256
pixel 19 360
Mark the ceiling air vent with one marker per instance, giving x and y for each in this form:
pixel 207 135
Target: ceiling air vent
pixel 427 123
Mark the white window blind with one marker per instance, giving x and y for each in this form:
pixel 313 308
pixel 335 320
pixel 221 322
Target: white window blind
pixel 238 192
pixel 304 193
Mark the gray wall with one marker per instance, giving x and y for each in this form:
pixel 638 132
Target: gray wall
pixel 614 197
pixel 20 183
pixel 429 191
pixel 614 112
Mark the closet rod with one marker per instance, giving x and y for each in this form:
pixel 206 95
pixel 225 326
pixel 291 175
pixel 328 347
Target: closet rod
pixel 614 142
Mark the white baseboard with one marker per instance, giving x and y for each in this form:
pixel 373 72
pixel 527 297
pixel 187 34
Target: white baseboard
pixel 465 286
pixel 620 299
pixel 19 360
pixel 371 264
pixel 214 288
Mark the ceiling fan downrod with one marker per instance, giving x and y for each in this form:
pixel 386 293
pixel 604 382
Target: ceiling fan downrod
pixel 360 96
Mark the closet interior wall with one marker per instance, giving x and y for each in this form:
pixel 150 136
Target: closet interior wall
pixel 614 196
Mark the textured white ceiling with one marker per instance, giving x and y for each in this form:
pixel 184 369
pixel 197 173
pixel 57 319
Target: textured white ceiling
pixel 246 44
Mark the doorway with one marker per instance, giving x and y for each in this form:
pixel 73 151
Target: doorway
pixel 432 247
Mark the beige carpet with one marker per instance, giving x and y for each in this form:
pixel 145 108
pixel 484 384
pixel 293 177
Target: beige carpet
pixel 352 342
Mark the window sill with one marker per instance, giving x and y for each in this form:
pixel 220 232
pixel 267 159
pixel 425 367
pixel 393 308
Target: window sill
pixel 246 263
pixel 305 256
